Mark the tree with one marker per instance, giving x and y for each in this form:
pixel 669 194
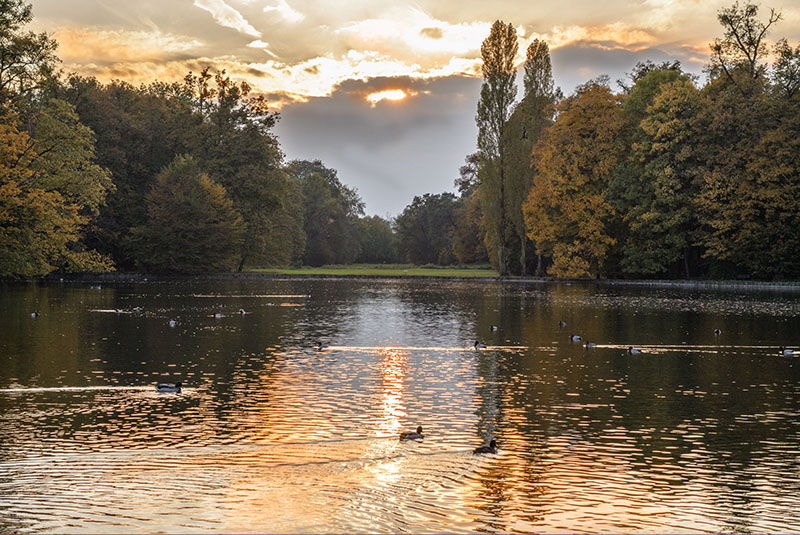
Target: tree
pixel 738 55
pixel 498 92
pixel 39 225
pixel 331 211
pixel 192 226
pixel 468 247
pixel 658 197
pixel 468 176
pixel 567 211
pixel 26 59
pixel 523 130
pixel 376 240
pixel 235 144
pixel 425 227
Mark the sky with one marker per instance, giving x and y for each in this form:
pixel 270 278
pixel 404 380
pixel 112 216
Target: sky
pixel 385 92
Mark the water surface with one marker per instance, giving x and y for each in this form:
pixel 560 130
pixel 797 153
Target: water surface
pixel 698 433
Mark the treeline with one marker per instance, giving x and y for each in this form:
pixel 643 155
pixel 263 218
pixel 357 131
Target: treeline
pixel 183 177
pixel 664 179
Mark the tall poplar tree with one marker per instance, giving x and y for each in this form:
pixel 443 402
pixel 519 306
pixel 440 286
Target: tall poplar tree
pixel 496 103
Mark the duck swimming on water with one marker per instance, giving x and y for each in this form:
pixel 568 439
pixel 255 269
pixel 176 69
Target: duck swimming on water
pixel 491 448
pixel 479 345
pixel 168 387
pixel 412 435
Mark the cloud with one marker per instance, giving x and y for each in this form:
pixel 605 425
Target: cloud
pixel 78 45
pixel 286 12
pixel 227 16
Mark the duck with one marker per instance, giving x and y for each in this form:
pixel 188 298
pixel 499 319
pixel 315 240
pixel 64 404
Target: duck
pixel 34 314
pixel 412 435
pixel 242 312
pixel 562 324
pixel 493 328
pixel 168 387
pixel 634 350
pixel 786 351
pixel 320 346
pixel 479 345
pixel 717 332
pixel 172 323
pixel 590 345
pixel 491 448
pixel 217 315
pixel 575 337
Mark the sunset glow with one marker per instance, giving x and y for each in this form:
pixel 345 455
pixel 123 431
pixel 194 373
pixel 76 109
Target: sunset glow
pixel 389 94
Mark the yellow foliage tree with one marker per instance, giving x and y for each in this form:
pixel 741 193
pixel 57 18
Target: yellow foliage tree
pixel 567 211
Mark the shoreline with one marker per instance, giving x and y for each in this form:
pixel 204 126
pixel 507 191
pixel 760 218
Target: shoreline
pixel 789 286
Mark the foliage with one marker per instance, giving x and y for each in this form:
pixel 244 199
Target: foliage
pixel 425 227
pixel 468 247
pixel 567 211
pixel 330 215
pixel 498 93
pixel 376 241
pixel 192 226
pixel 26 59
pixel 40 218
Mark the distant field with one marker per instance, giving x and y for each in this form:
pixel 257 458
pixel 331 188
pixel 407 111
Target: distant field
pixel 381 270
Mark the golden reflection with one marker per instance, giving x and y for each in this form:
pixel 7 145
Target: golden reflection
pixel 392 409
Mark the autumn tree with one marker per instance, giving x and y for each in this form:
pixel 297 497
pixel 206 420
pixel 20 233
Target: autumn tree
pixel 192 226
pixel 43 208
pixel 498 92
pixel 567 211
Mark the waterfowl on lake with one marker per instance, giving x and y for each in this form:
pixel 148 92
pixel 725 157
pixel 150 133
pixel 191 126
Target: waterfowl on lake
pixel 634 350
pixel 717 332
pixel 34 314
pixel 320 346
pixel 241 311
pixel 479 345
pixel 217 315
pixel 491 448
pixel 412 435
pixel 786 351
pixel 590 345
pixel 562 323
pixel 172 323
pixel 168 387
pixel 575 337
pixel 493 328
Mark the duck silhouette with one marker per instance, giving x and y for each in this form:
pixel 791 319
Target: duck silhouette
pixel 168 387
pixel 412 435
pixel 634 350
pixel 479 345
pixel 491 448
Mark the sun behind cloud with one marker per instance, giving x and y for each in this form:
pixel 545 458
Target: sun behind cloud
pixel 387 94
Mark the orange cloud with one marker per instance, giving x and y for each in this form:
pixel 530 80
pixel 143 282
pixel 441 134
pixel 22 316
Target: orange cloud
pixel 84 45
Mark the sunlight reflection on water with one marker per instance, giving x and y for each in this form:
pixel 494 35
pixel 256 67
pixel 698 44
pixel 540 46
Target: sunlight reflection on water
pixel 698 433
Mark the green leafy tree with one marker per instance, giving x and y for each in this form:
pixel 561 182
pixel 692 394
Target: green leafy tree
pixel 524 128
pixel 498 92
pixel 237 147
pixel 468 247
pixel 331 212
pixel 377 241
pixel 192 226
pixel 567 211
pixel 425 227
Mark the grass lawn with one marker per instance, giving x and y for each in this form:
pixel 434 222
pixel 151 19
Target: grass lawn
pixel 383 270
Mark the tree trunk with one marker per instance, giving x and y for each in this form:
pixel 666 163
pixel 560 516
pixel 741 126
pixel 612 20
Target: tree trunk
pixel 503 267
pixel 522 258
pixel 686 262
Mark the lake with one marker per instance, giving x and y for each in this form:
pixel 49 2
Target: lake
pixel 698 433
